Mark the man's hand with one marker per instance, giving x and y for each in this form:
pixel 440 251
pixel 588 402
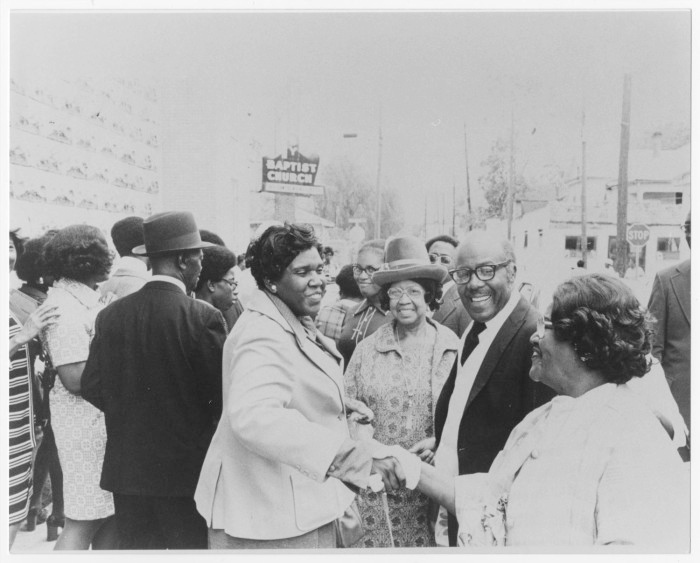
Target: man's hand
pixel 424 449
pixel 391 472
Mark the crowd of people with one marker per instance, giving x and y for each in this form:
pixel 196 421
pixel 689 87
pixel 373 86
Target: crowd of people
pixel 189 398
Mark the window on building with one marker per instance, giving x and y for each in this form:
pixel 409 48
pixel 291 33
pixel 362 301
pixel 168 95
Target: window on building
pixel 574 243
pixel 540 236
pixel 671 198
pixel 525 240
pixel 669 248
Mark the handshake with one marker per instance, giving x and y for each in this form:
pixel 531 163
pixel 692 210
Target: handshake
pixel 393 468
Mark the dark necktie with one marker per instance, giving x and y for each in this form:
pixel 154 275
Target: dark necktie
pixel 472 340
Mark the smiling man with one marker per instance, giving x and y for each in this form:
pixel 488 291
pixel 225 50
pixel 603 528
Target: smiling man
pixel 488 391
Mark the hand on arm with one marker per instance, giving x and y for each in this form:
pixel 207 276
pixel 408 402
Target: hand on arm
pixel 424 449
pixel 43 317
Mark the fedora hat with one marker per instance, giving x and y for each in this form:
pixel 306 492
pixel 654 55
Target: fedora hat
pixel 170 232
pixel 407 258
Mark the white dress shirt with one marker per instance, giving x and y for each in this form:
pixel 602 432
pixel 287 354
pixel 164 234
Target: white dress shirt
pixel 446 460
pixel 169 279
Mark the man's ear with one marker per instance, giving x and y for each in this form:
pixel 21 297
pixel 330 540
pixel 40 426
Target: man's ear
pixel 513 270
pixel 210 286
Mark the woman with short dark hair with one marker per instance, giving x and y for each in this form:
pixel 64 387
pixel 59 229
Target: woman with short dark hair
pixel 594 466
pixel 274 473
pixel 217 280
pixel 23 302
pixel 79 259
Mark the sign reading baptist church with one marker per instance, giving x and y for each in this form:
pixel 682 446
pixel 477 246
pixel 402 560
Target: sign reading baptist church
pixel 295 174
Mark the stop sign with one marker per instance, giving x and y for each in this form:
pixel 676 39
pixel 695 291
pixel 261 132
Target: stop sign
pixel 638 234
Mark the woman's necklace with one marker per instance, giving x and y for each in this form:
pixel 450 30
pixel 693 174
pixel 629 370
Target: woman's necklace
pixel 410 389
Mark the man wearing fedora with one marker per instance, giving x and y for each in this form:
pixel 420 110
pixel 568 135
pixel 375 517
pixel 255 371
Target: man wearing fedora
pixel 488 391
pixel 154 369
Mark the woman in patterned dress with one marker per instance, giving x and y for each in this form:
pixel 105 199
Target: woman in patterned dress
pixel 398 372
pixel 78 257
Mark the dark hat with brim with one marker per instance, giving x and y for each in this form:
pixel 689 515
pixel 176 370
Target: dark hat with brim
pixel 170 232
pixel 407 259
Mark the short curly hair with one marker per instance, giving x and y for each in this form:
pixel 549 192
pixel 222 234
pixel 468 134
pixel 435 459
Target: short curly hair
pixel 441 238
pixel 346 282
pixel 77 252
pixel 269 255
pixel 127 234
pixel 30 265
pixel 433 293
pixel 216 261
pixel 605 323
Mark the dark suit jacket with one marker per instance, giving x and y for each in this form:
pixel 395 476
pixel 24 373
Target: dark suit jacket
pixel 154 368
pixel 669 303
pixel 452 313
pixel 501 396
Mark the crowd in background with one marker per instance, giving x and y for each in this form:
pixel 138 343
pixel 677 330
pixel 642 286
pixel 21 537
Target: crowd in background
pixel 185 397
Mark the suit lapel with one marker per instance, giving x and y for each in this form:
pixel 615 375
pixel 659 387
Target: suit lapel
pixel 681 288
pixel 500 343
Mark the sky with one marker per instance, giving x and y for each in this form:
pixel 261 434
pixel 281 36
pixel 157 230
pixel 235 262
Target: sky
pixel 423 77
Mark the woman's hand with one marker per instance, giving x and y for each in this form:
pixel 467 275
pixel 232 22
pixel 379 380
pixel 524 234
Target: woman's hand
pixel 43 317
pixel 424 449
pixel 359 412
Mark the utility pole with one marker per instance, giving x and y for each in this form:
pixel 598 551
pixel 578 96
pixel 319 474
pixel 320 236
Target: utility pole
pixel 621 250
pixel 511 176
pixel 377 229
pixel 584 234
pixel 469 191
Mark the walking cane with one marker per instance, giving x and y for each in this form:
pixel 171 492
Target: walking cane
pixel 377 485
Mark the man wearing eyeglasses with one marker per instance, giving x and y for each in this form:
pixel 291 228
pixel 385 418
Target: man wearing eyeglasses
pixel 489 390
pixel 669 304
pixel 442 249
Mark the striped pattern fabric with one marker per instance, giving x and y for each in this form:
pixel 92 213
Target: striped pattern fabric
pixel 22 439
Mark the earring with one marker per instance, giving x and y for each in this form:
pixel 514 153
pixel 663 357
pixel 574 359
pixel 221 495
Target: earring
pixel 273 288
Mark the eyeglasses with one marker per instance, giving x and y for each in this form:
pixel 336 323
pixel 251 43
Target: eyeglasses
pixel 232 283
pixel 396 293
pixel 359 270
pixel 442 258
pixel 484 273
pixel 543 323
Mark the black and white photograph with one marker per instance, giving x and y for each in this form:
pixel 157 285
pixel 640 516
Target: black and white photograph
pixel 371 280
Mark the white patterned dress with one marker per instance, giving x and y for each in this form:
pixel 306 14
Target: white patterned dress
pixel 401 388
pixel 79 427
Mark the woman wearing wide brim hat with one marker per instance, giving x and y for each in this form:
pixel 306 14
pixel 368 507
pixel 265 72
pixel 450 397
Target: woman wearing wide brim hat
pixel 398 372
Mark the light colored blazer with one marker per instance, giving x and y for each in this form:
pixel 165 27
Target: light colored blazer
pixel 283 421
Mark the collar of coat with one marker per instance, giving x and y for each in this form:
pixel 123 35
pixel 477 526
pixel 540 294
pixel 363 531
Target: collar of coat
pixel 445 339
pixel 273 307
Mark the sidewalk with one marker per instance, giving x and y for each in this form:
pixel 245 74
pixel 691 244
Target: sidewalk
pixel 33 542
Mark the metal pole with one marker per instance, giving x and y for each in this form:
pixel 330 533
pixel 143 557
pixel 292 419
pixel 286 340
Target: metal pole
pixel 454 208
pixel 511 174
pixel 469 191
pixel 621 252
pixel 377 220
pixel 584 234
